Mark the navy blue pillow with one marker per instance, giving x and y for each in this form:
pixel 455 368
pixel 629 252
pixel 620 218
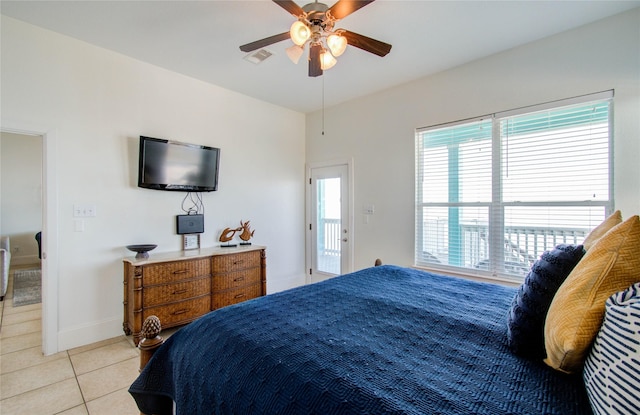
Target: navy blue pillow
pixel 525 323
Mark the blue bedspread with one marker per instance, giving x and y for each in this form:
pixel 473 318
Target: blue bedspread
pixel 382 340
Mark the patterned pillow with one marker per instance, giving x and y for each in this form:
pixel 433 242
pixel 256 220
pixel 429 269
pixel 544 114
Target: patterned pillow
pixel 525 322
pixel 612 369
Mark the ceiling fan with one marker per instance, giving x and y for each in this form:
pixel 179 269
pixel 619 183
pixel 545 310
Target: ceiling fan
pixel 315 26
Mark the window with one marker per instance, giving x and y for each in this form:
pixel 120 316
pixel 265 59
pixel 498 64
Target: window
pixel 494 193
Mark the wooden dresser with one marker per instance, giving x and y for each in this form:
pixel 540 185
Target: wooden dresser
pixel 179 287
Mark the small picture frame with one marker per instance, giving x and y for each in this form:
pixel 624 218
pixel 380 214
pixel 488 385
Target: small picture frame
pixel 191 241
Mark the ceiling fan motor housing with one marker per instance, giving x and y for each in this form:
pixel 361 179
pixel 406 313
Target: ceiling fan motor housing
pixel 315 9
pixel 316 15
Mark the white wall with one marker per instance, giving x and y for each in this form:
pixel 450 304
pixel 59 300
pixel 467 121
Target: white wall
pixel 378 131
pixel 21 194
pixel 98 103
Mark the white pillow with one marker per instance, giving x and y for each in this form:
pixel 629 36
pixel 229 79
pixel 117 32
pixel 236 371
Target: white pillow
pixel 612 369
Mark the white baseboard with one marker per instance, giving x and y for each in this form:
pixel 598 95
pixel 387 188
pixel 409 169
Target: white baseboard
pixel 275 285
pixel 89 333
pixel 25 260
pixel 106 329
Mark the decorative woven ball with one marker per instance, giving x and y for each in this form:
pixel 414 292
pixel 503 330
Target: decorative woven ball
pixel 151 327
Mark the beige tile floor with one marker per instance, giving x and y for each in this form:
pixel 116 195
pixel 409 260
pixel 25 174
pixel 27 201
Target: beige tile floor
pixel 87 380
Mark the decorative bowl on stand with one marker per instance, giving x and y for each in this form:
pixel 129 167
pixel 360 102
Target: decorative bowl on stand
pixel 142 250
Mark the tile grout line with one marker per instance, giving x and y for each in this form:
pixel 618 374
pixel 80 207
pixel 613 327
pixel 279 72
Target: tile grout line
pixel 84 401
pixel 35 389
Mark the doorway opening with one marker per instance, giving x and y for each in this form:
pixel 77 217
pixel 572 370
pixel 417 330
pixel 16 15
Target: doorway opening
pixel 329 218
pixel 48 249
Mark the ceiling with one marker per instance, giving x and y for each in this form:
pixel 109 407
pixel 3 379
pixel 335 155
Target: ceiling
pixel 201 39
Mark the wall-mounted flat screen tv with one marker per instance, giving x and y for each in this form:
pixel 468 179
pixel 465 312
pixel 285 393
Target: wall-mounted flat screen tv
pixel 172 165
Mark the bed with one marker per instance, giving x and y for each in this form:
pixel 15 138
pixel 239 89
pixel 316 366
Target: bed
pixel 385 339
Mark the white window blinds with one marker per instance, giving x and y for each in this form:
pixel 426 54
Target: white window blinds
pixel 492 194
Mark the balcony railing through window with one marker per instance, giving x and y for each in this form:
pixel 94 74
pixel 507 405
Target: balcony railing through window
pixel 522 244
pixel 329 245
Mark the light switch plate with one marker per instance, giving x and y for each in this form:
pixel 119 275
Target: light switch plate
pixel 84 211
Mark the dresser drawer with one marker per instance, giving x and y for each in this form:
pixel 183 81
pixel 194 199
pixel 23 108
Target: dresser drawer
pixel 236 262
pixel 170 293
pixel 183 311
pixel 225 298
pixel 236 279
pixel 169 272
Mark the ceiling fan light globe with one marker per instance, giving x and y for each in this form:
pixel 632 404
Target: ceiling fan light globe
pixel 327 61
pixel 337 44
pixel 299 32
pixel 294 53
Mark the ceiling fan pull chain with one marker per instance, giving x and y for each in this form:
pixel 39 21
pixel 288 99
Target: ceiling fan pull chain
pixel 323 105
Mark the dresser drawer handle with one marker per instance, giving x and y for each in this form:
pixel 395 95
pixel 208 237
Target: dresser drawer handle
pixel 175 313
pixel 180 291
pixel 182 271
pixel 238 262
pixel 238 279
pixel 239 295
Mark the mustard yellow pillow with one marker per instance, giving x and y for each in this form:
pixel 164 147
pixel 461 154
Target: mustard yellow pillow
pixel 576 312
pixel 599 231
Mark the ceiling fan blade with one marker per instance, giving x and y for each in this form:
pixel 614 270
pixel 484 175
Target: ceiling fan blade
pixel 250 47
pixel 290 6
pixel 366 43
pixel 343 8
pixel 314 60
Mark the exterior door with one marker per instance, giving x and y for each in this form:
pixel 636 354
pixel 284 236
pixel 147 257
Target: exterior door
pixel 329 222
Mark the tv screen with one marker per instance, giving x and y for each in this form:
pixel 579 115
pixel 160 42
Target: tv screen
pixel 171 165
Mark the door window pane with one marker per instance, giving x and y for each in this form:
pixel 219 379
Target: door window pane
pixel 328 225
